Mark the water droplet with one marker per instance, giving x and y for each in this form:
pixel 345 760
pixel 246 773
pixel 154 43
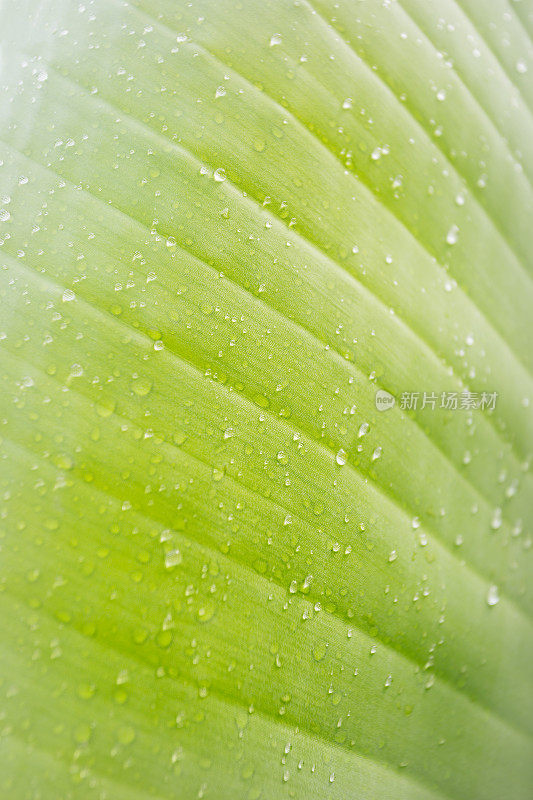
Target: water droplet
pixel 206 611
pixel 220 92
pixel 173 558
pixel 141 387
pixel 363 429
pixel 496 520
pixel 319 652
pixel 341 458
pixel 68 295
pixel 218 474
pixel 452 235
pixel 493 595
pixel 275 39
pixel 126 735
pixel 164 639
pixel 377 453
pixel 441 95
pixel 521 67
pixel 219 175
pixel 348 103
pixel 76 370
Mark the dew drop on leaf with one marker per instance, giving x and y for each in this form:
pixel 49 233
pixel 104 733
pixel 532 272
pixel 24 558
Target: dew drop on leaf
pixel 173 558
pixel 363 429
pixel 493 595
pixel 453 235
pixel 341 458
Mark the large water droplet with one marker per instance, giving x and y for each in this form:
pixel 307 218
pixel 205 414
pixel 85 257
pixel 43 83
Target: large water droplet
pixel 173 558
pixel 341 458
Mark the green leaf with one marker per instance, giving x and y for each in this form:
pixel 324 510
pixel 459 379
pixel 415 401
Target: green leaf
pixel 225 572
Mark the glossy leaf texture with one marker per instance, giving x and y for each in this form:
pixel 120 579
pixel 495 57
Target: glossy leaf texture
pixel 225 572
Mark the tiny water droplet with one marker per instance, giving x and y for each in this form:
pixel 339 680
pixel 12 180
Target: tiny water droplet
pixel 219 175
pixel 452 235
pixel 493 595
pixel 275 39
pixel 496 520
